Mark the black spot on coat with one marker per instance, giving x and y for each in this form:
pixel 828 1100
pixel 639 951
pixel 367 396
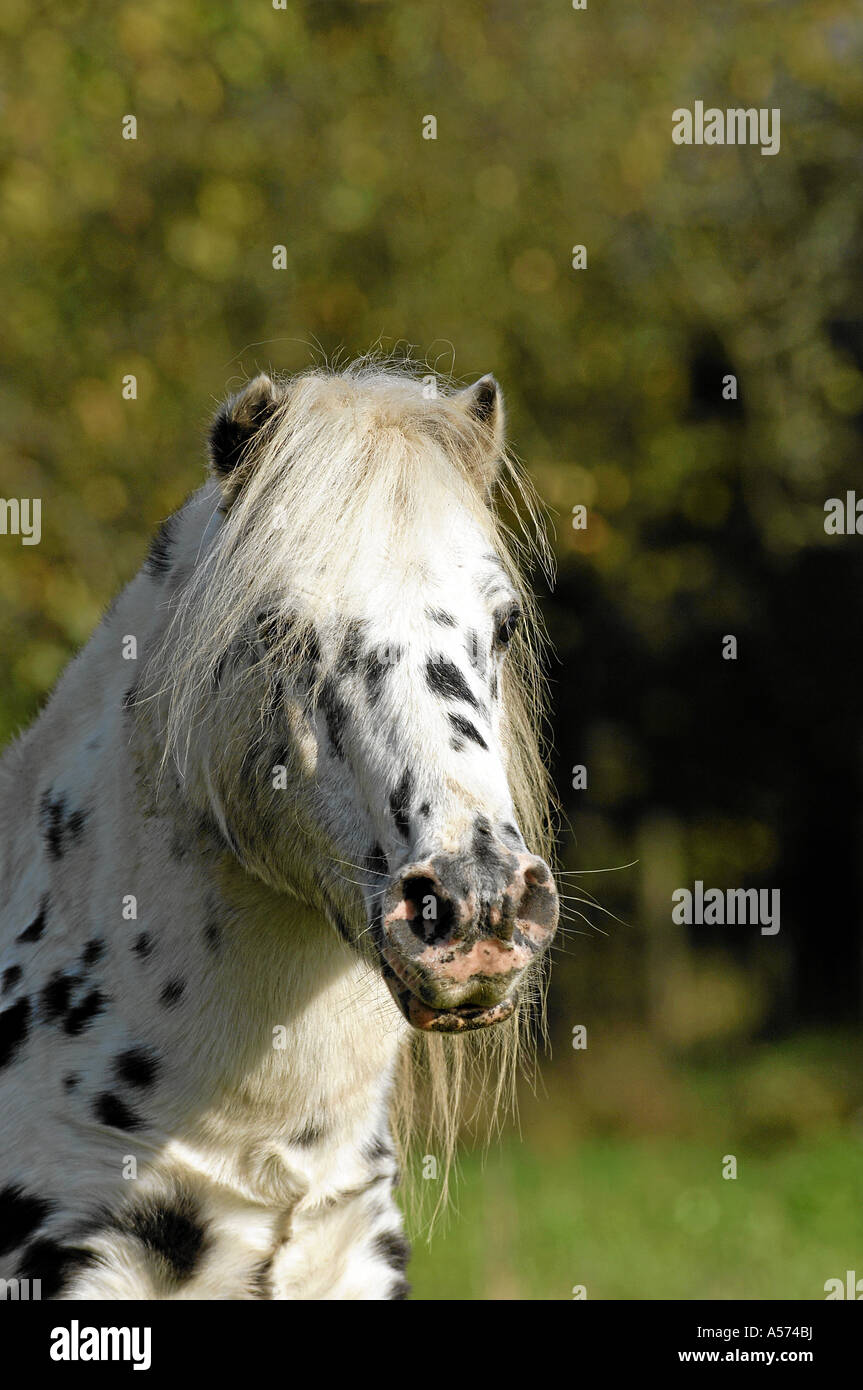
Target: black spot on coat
pixel 14 1027
pixel 173 993
pixel 375 671
pixel 143 945
pixel 111 1110
pixel 93 951
pixel 393 1249
pixel 20 1215
pixel 58 827
pixel 81 1016
pixel 54 1265
pixel 56 996
pixel 137 1066
pixel 170 1228
pixel 11 976
pixel 36 928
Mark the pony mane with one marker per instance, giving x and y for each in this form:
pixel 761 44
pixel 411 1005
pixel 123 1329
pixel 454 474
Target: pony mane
pixel 342 472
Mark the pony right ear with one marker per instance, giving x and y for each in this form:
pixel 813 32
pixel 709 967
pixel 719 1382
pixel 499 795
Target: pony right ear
pixel 238 422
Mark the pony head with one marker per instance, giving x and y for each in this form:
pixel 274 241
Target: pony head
pixel 350 679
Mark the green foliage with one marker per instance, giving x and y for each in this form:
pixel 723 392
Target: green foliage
pixel 302 127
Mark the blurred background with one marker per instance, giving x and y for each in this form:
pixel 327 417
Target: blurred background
pixel 303 127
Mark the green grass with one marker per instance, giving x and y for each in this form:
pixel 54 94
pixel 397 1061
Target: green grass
pixel 648 1220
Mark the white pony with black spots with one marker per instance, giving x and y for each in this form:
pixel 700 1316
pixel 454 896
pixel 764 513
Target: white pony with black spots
pixel 274 840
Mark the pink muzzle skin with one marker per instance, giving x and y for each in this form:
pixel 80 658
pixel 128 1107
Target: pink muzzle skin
pixel 469 979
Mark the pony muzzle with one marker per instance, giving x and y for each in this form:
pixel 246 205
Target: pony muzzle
pixel 456 944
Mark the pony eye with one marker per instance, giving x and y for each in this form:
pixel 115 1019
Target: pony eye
pixel 507 625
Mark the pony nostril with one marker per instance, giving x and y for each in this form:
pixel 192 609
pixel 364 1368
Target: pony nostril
pixel 431 915
pixel 536 874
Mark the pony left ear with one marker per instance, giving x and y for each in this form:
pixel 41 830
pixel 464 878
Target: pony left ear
pixel 483 402
pixel 238 421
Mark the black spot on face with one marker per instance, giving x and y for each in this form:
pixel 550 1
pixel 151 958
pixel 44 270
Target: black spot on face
pixel 350 656
pixel 52 1264
pixel 158 561
pixel 14 1027
pixel 20 1215
pixel 143 945
pixel 70 1082
pixel 447 681
pixel 482 832
pixel 171 1229
pixel 93 952
pixel 376 861
pixel 80 1018
pixel 173 993
pixel 36 928
pixel 111 1110
pixel 475 650
pixel 400 804
pixel 437 615
pixel 376 670
pixel 137 1066
pixel 467 730
pixel 511 834
pixel 335 713
pixel 11 976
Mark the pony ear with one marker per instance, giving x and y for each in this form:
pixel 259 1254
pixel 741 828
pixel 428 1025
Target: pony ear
pixel 483 402
pixel 238 421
